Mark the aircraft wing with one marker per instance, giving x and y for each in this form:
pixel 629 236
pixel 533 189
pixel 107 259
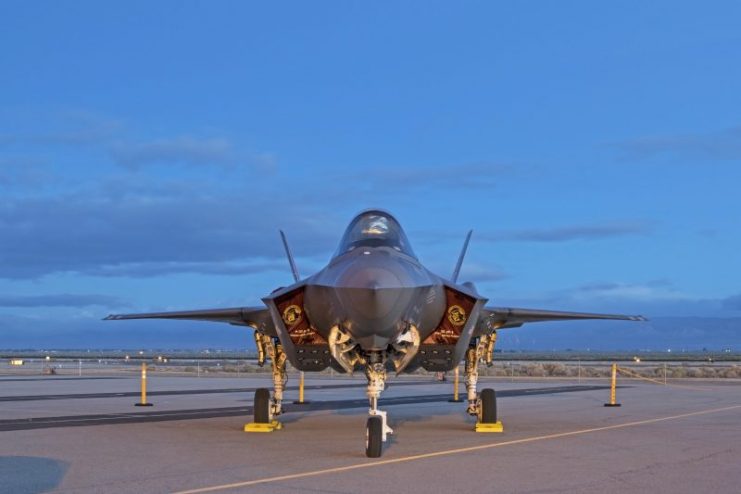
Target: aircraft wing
pixel 512 317
pixel 255 317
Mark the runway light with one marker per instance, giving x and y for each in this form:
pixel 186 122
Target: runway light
pixel 636 359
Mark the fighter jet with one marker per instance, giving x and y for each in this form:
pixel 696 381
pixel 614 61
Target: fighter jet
pixel 375 309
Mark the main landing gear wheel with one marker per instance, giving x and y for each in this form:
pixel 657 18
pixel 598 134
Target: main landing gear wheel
pixel 374 437
pixel 262 406
pixel 488 407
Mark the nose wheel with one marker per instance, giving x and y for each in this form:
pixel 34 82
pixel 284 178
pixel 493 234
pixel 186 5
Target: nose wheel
pixel 376 433
pixel 374 437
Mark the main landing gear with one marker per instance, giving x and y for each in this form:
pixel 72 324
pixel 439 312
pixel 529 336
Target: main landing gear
pixel 484 405
pixel 265 407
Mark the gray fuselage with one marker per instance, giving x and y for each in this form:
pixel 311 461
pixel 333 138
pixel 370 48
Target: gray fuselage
pixel 374 293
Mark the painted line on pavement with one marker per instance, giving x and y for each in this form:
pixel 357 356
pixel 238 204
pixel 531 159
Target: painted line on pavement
pixel 448 452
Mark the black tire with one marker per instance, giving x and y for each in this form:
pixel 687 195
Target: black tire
pixel 488 406
pixel 374 437
pixel 262 406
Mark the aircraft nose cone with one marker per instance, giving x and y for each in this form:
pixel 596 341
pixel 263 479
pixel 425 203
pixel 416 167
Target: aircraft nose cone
pixel 373 303
pixel 371 292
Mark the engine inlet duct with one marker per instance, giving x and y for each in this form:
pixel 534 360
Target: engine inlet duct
pixel 343 349
pixel 405 348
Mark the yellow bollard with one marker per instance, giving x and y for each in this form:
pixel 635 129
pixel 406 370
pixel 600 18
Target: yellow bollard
pixel 301 391
pixel 143 402
pixel 613 385
pixel 456 381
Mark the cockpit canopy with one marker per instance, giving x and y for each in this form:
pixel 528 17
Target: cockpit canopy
pixel 374 228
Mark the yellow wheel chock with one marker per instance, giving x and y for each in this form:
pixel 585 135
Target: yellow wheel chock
pixel 495 427
pixel 267 427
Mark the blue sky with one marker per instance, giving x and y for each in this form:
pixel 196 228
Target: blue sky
pixel 149 153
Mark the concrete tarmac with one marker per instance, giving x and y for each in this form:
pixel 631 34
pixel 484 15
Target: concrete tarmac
pixel 558 438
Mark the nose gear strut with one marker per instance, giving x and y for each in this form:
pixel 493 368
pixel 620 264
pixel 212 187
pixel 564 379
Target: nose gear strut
pixel 376 434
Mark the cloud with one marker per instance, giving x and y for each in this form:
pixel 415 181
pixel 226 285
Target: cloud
pixel 650 290
pixel 6 139
pixel 77 128
pixel 186 150
pixel 189 151
pixel 22 171
pixel 732 303
pixel 721 145
pixel 651 298
pixel 136 230
pixel 81 128
pixel 474 175
pixel 478 273
pixel 568 233
pixel 151 269
pixel 60 300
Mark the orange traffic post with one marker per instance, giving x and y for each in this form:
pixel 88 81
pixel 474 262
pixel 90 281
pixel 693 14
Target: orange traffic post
pixel 456 384
pixel 613 385
pixel 300 400
pixel 143 402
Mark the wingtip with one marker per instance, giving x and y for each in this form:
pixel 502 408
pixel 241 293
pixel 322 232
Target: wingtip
pixel 110 317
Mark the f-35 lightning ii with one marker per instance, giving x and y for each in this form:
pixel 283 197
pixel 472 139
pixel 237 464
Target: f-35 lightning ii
pixel 374 308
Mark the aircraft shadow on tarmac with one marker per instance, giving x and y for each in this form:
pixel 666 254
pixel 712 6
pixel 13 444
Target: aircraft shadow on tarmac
pixel 31 474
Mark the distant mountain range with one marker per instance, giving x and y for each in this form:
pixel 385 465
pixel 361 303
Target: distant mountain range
pixel 660 333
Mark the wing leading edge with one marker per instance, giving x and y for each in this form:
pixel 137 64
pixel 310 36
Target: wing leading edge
pixel 255 317
pixel 512 317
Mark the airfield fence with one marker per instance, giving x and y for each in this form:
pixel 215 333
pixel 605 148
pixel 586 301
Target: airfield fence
pixel 512 369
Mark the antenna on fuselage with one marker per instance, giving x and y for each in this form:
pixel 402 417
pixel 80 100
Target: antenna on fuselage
pixel 458 265
pixel 294 269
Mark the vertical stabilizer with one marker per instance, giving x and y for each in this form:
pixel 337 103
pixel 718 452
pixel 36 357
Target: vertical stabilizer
pixel 294 269
pixel 458 265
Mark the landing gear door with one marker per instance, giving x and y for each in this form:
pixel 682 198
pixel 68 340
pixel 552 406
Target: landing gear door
pixel 306 349
pixel 445 347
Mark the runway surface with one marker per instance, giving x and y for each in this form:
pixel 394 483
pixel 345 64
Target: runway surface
pixel 123 418
pixel 558 438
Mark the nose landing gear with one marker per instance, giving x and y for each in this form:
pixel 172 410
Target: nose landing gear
pixel 377 428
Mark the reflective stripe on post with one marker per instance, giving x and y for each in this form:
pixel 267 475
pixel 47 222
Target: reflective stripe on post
pixel 613 385
pixel 301 400
pixel 456 386
pixel 301 388
pixel 143 402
